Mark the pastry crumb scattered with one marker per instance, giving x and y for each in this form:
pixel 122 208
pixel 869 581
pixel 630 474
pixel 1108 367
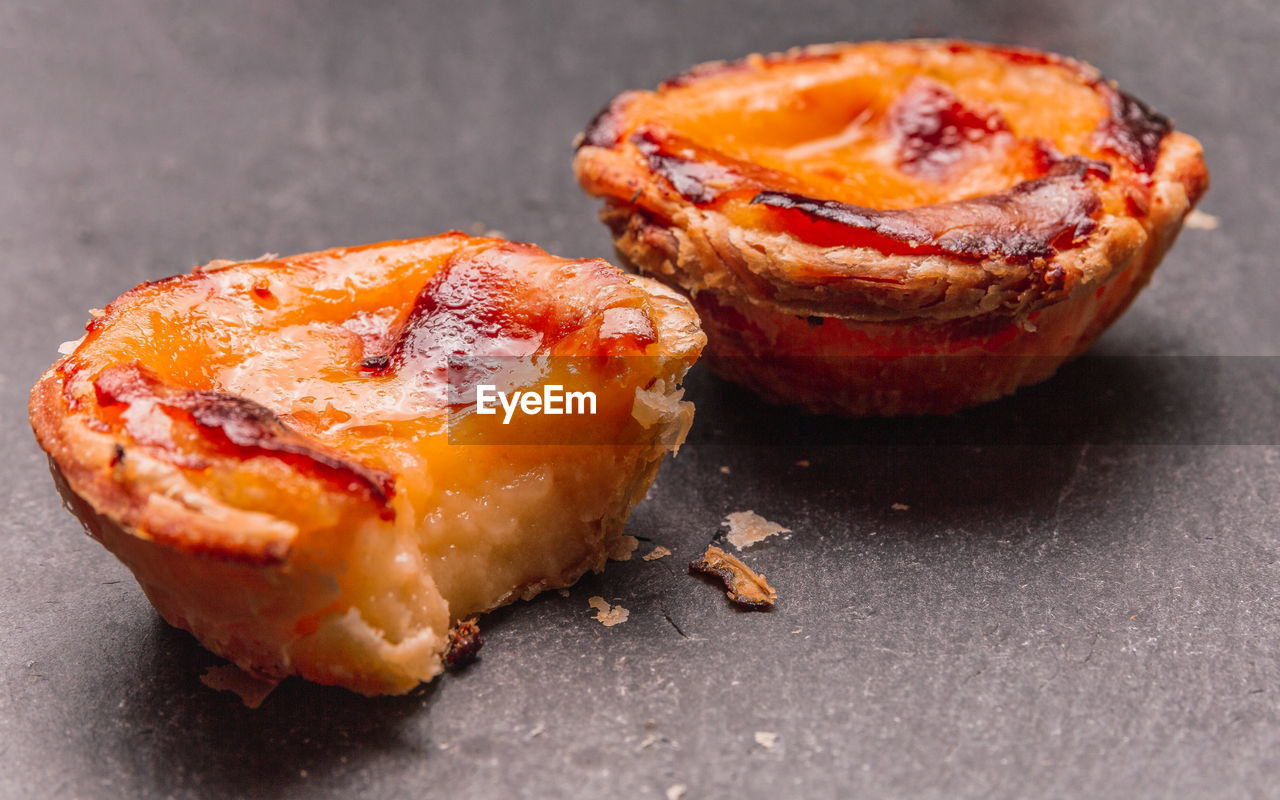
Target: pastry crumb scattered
pixel 563 592
pixel 622 548
pixel 766 739
pixel 608 615
pixel 804 462
pixel 656 553
pixel 725 470
pixel 747 528
pixel 230 678
pixel 900 507
pixel 744 586
pixel 677 791
pixel 465 642
pixel 1200 221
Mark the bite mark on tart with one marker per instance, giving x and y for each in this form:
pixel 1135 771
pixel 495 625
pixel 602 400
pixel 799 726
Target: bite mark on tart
pixel 905 199
pixel 265 445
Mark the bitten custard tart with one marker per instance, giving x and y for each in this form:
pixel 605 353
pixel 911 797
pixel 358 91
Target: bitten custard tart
pixel 267 446
pixel 893 227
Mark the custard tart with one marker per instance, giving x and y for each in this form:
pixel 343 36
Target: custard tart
pixel 271 446
pixel 893 227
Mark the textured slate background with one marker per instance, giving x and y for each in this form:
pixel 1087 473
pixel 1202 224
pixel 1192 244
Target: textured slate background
pixel 1068 620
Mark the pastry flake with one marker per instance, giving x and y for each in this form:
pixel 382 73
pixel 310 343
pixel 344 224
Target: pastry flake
pixel 747 588
pixel 606 614
pixel 747 528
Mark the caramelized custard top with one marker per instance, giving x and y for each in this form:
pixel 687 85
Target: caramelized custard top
pixel 930 147
pixel 334 365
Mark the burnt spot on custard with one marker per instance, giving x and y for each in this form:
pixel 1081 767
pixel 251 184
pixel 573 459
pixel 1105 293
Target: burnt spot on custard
pixel 606 128
pixel 239 426
pixel 1133 130
pixel 507 300
pixel 1032 220
pixel 701 175
pixel 933 130
pixel 467 308
pixel 691 176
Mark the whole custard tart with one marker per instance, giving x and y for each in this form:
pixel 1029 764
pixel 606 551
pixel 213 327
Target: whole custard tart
pixel 266 444
pixel 893 227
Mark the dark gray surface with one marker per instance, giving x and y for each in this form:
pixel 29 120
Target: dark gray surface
pixel 1044 620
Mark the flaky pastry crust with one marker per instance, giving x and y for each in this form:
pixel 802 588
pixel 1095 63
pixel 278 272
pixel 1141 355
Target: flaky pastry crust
pixel 846 216
pixel 265 444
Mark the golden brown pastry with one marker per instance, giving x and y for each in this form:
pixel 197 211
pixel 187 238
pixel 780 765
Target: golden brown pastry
pixel 266 444
pixel 893 227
